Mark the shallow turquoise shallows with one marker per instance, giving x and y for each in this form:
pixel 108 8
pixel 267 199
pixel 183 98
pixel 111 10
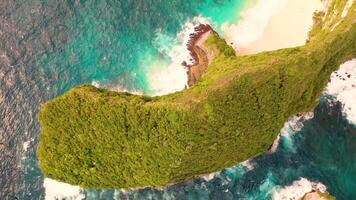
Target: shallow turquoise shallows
pixel 50 46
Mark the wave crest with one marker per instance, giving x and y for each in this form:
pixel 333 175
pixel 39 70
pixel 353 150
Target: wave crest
pixel 293 125
pixel 58 190
pixel 342 85
pixel 297 190
pixel 170 76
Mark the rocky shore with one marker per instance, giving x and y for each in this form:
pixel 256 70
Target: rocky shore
pixel 201 56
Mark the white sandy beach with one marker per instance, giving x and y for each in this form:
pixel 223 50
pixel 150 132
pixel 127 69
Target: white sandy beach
pixel 288 28
pixel 273 24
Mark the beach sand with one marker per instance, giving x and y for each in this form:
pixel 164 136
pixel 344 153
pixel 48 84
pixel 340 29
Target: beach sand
pixel 289 27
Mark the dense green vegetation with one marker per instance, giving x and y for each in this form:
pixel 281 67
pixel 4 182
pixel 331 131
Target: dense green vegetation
pixel 101 139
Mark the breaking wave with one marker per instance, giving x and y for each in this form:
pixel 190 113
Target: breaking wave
pixel 58 190
pixel 342 86
pixel 297 190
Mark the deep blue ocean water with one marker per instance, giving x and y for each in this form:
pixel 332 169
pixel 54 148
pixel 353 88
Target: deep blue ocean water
pixel 48 47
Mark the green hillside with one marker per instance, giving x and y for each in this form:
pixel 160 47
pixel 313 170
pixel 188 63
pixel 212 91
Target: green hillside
pixel 101 139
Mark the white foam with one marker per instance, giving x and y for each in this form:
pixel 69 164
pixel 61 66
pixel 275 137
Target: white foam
pixel 347 7
pixel 209 177
pixel 57 190
pixel 248 165
pixel 167 77
pixel 117 88
pixel 275 144
pixel 119 192
pixel 293 125
pixel 26 144
pixel 297 190
pixel 342 85
pixel 95 84
pixel 252 24
pixel 116 194
pixel 165 73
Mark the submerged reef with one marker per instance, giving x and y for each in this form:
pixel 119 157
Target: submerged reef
pixel 233 111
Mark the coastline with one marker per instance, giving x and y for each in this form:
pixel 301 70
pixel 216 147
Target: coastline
pixel 201 56
pixel 272 25
pixel 289 27
pixel 286 28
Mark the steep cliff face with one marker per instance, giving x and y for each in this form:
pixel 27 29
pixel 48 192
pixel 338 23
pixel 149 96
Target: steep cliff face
pixel 101 139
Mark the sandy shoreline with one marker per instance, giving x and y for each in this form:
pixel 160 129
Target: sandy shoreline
pixel 288 28
pixel 264 26
pixel 285 25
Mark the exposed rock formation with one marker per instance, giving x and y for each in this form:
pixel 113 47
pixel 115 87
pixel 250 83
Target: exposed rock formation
pixel 200 54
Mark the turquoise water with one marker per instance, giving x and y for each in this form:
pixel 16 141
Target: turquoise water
pixel 117 42
pixel 49 46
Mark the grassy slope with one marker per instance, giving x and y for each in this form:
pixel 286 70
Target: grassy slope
pixel 100 139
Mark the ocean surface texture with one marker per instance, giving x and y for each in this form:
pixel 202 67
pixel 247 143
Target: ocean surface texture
pixel 50 46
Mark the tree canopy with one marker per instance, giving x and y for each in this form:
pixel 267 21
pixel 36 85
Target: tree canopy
pixel 102 139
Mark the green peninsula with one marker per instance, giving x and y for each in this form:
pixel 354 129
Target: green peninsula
pixel 101 139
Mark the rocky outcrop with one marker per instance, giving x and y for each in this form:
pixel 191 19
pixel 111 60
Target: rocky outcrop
pixel 201 56
pixel 316 195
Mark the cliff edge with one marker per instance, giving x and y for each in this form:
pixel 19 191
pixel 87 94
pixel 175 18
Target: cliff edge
pixel 102 139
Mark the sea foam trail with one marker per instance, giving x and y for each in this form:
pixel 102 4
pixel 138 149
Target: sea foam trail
pixel 297 190
pixel 165 73
pixel 117 88
pixel 250 34
pixel 164 78
pixel 293 125
pixel 342 86
pixel 58 190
